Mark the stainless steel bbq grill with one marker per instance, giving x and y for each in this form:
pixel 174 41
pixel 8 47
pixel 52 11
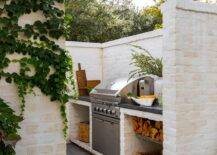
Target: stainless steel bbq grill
pixel 106 113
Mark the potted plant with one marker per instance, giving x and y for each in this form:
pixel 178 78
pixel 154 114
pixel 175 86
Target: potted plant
pixel 146 64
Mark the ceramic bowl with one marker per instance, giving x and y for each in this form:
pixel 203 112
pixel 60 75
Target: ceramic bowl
pixel 144 101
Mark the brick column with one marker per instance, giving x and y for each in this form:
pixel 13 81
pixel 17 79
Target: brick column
pixel 190 75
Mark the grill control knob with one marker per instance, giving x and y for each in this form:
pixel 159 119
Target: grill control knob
pixel 108 111
pixel 96 108
pixel 100 109
pixel 104 110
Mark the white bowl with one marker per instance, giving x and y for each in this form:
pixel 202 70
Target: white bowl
pixel 144 102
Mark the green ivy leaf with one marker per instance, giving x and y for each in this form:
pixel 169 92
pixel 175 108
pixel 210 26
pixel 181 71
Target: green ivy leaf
pixel 8 79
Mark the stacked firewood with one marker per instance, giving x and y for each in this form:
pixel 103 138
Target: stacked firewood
pixel 83 132
pixel 148 128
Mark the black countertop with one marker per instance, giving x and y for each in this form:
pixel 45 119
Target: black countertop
pixel 84 98
pixel 153 109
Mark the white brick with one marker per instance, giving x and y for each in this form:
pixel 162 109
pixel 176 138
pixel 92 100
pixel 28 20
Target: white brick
pixel 192 75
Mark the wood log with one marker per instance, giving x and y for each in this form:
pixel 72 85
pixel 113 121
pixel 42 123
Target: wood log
pixel 83 134
pixel 153 133
pixel 148 128
pixel 140 125
pixel 158 125
pixel 161 135
pixel 135 124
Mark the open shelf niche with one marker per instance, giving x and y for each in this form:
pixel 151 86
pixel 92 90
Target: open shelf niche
pixel 79 111
pixel 133 143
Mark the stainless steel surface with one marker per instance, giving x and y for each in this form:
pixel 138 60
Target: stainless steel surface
pixel 120 87
pixel 106 135
pixel 146 86
pixel 106 113
pixel 106 110
pixel 106 126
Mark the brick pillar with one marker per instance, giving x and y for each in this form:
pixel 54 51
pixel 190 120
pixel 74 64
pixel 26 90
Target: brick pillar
pixel 190 75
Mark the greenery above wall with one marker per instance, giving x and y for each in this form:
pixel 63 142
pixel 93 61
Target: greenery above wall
pixel 44 64
pixel 102 20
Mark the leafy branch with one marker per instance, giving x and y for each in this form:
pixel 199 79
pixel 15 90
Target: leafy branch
pixel 9 125
pixel 145 63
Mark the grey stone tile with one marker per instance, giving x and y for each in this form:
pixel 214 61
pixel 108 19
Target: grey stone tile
pixel 73 149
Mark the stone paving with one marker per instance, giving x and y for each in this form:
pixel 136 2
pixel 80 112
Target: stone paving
pixel 73 149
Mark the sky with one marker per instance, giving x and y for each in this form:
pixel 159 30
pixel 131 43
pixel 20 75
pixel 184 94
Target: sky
pixel 143 3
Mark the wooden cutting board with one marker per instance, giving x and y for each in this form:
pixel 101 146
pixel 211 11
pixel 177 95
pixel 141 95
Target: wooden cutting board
pixel 92 83
pixel 82 81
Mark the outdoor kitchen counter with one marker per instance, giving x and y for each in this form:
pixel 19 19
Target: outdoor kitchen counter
pixel 153 109
pixel 152 113
pixel 84 98
pixel 127 133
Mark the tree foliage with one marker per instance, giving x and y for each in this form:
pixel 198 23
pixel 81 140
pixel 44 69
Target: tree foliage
pixel 100 21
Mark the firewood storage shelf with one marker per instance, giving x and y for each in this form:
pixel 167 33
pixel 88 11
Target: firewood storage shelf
pixel 80 110
pixel 124 113
pixel 130 138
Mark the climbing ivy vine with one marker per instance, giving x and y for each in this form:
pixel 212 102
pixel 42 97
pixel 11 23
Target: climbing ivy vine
pixel 44 64
pixel 9 123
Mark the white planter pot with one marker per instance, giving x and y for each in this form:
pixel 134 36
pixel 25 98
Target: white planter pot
pixel 158 89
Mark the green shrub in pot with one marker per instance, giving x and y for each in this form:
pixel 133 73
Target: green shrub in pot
pixel 146 64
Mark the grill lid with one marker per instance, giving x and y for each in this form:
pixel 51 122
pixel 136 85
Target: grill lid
pixel 118 87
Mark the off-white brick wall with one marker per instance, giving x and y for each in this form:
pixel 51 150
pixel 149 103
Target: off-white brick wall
pixel 208 1
pixel 190 60
pixel 90 57
pixel 41 130
pixel 111 60
pixel 42 124
pixel 117 55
